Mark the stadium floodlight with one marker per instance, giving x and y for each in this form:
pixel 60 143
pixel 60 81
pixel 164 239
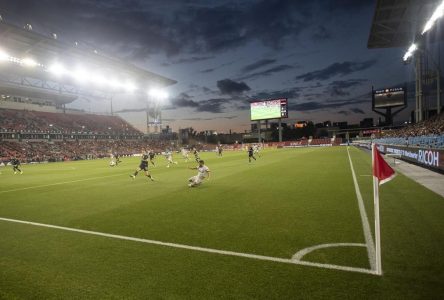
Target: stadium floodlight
pixel 410 52
pixel 29 62
pixel 80 75
pixel 3 56
pixel 437 14
pixel 113 83
pixel 129 87
pixel 98 79
pixel 57 69
pixel 158 93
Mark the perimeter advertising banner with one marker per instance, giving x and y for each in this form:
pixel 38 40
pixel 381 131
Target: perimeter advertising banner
pixel 430 158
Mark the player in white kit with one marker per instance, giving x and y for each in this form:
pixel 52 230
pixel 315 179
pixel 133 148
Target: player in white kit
pixel 169 157
pixel 202 172
pixel 185 154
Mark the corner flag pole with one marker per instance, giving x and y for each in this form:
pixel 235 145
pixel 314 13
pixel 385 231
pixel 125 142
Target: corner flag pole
pixel 377 221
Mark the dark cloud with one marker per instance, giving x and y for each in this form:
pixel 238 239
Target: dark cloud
pixel 231 87
pixel 184 100
pixel 342 88
pixel 357 111
pixel 289 93
pixel 337 69
pixel 212 105
pixel 139 28
pixel 330 104
pixel 208 70
pixel 259 64
pixel 321 33
pixel 344 112
pixel 191 59
pixel 267 72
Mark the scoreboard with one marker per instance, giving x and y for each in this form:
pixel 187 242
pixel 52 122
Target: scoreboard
pixel 269 109
pixel 389 97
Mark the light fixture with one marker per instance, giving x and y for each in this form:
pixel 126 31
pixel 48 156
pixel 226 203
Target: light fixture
pixel 158 93
pixel 29 62
pixel 410 52
pixel 57 69
pixel 3 56
pixel 437 14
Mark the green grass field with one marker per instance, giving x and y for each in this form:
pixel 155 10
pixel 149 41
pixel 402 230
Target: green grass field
pixel 286 201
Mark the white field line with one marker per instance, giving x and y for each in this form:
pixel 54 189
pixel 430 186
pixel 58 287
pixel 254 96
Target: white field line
pixel 58 183
pixel 196 248
pixel 300 254
pixel 365 224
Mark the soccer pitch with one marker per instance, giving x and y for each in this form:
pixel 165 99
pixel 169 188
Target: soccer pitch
pixel 286 226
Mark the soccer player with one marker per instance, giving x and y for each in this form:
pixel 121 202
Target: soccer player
pixel 151 154
pixel 196 155
pixel 16 165
pixel 117 158
pixel 112 161
pixel 169 157
pixel 251 154
pixel 143 167
pixel 202 172
pixel 219 150
pixel 185 154
pixel 256 149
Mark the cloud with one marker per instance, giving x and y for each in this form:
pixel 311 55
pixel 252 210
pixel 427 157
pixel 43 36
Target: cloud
pixel 321 33
pixel 184 100
pixel 344 112
pixel 208 70
pixel 212 105
pixel 231 87
pixel 289 93
pixel 337 69
pixel 259 64
pixel 330 104
pixel 267 72
pixel 192 59
pixel 357 111
pixel 341 88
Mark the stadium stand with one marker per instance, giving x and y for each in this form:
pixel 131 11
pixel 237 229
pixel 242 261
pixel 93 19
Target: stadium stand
pixel 12 120
pixel 428 133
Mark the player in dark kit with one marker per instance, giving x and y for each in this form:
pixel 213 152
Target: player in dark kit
pixel 196 155
pixel 152 155
pixel 220 150
pixel 143 167
pixel 117 157
pixel 16 165
pixel 251 154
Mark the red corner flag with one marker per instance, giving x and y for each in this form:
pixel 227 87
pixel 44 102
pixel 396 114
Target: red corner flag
pixel 382 173
pixel 381 168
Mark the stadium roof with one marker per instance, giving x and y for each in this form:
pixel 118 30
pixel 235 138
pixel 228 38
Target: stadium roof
pixel 396 23
pixel 47 49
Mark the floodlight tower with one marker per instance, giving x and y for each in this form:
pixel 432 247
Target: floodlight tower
pixel 154 110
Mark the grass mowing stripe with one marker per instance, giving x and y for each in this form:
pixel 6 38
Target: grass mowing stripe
pixel 58 183
pixel 365 224
pixel 196 248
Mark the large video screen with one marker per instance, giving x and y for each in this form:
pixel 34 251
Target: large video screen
pixel 390 97
pixel 269 109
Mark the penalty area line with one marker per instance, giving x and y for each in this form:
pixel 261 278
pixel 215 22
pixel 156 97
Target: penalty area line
pixel 58 183
pixel 197 248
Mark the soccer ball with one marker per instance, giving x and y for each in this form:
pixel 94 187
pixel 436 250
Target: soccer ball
pixel 112 164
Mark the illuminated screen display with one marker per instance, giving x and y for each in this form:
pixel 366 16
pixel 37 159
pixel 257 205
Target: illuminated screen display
pixel 389 97
pixel 269 109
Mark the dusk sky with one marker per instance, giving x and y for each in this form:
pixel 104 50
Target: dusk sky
pixel 223 53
